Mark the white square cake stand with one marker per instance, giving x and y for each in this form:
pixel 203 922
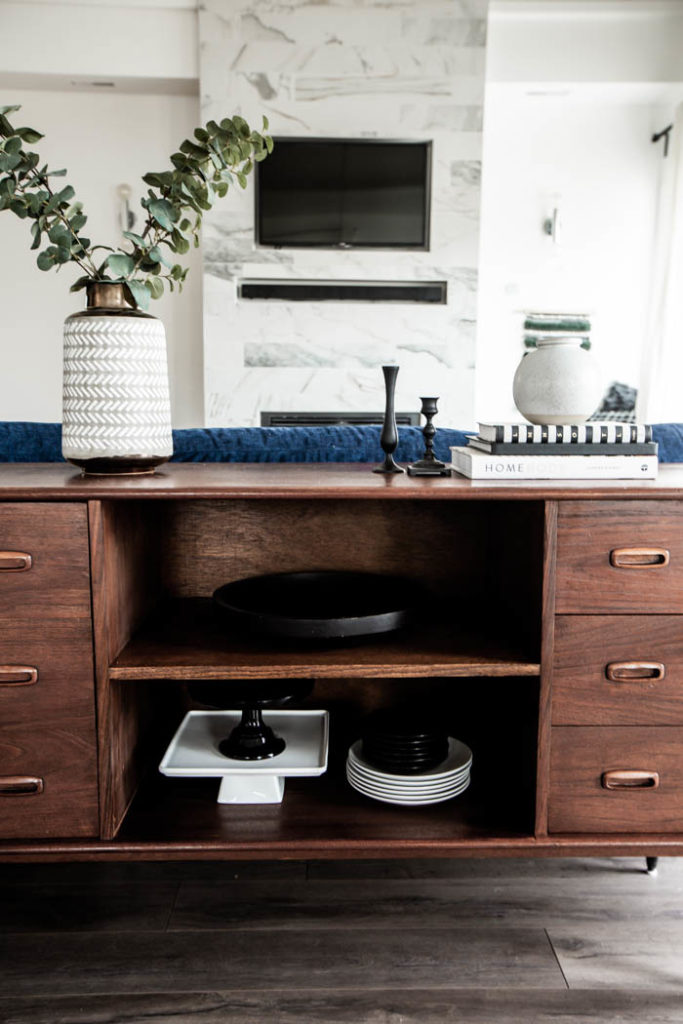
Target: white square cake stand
pixel 193 753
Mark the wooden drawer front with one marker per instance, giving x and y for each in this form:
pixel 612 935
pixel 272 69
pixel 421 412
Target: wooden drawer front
pixel 56 584
pixel 48 781
pixel 645 541
pixel 44 681
pixel 582 755
pixel 618 670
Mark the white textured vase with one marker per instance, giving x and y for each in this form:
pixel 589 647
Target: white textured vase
pixel 116 405
pixel 558 382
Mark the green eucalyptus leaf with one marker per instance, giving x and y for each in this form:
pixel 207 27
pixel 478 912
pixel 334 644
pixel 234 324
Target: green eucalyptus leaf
pixel 8 161
pixel 180 243
pixel 35 231
pixel 65 195
pixel 201 134
pixel 138 292
pixel 241 125
pixel 266 124
pixel 242 179
pixel 156 286
pixel 59 234
pixel 77 222
pixel 5 127
pixel 7 186
pixel 18 206
pixel 163 213
pixel 136 239
pixel 79 284
pixel 9 110
pixel 63 254
pixel 120 264
pixel 269 144
pixel 57 174
pixel 156 254
pixel 46 259
pixel 12 145
pixel 29 135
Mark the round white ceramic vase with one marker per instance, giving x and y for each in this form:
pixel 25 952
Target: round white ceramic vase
pixel 558 382
pixel 116 405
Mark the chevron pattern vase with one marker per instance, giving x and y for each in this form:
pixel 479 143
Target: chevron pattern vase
pixel 116 406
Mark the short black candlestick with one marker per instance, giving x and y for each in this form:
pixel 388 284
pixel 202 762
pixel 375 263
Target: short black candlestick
pixel 389 436
pixel 429 465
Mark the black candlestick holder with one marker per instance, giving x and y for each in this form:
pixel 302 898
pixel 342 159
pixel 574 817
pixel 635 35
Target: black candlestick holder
pixel 389 436
pixel 429 465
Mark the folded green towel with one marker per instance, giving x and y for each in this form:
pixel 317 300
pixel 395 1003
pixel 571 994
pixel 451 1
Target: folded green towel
pixel 561 322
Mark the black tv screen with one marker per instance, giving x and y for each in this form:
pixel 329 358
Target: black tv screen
pixel 347 194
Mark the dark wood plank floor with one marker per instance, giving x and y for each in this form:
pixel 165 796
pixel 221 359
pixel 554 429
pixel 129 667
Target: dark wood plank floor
pixel 353 942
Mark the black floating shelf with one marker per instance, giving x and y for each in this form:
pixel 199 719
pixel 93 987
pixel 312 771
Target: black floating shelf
pixel 429 292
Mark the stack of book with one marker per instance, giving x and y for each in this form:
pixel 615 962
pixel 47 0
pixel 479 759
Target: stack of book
pixel 527 451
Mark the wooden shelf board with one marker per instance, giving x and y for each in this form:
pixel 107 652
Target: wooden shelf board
pixel 316 814
pixel 190 643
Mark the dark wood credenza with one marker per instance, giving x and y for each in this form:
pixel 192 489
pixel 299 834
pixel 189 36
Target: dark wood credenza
pixel 553 646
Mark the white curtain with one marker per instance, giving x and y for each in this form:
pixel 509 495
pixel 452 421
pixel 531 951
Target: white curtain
pixel 660 398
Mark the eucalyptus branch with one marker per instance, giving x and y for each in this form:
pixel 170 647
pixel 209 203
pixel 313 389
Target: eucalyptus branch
pixel 203 169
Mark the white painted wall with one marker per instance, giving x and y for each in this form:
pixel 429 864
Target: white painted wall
pixel 595 160
pixel 153 42
pixel 103 140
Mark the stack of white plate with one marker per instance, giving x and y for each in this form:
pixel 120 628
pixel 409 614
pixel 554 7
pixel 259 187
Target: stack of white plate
pixel 446 780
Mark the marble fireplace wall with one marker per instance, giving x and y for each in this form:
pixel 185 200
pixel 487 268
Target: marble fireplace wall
pixel 395 69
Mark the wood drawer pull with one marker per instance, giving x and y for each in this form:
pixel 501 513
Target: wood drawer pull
pixel 21 785
pixel 627 779
pixel 639 558
pixel 15 561
pixel 634 671
pixel 18 675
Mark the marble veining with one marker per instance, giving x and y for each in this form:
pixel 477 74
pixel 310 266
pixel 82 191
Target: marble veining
pixel 345 68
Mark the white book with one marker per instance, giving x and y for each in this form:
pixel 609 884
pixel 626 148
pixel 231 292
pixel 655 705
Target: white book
pixel 479 465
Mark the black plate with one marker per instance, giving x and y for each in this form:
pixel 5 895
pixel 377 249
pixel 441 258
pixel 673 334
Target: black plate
pixel 318 605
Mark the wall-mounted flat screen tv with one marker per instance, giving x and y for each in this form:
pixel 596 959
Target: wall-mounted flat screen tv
pixel 344 194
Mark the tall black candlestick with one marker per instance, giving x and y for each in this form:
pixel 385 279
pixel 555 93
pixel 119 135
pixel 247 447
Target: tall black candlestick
pixel 429 465
pixel 389 436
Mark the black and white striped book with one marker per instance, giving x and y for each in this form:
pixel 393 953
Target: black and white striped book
pixel 596 432
pixel 558 448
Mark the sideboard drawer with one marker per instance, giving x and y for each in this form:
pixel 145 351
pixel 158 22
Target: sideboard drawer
pixel 44 564
pixel 618 670
pixel 622 779
pixel 48 783
pixel 619 556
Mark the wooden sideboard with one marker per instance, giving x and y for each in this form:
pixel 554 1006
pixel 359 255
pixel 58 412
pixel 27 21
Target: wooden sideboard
pixel 552 643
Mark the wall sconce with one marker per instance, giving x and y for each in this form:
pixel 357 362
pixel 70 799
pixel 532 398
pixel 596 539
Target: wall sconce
pixel 126 215
pixel 553 226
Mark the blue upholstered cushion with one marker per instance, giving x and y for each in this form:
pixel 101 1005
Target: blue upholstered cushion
pixel 41 442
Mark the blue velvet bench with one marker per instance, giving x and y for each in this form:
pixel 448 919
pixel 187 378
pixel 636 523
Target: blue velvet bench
pixel 41 442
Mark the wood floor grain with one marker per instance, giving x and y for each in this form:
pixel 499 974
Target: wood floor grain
pixel 92 873
pixel 377 942
pixel 95 908
pixel 468 957
pixel 425 903
pixel 615 955
pixel 488 867
pixel 462 1006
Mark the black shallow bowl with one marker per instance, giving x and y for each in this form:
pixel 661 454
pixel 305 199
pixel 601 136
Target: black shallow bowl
pixel 318 605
